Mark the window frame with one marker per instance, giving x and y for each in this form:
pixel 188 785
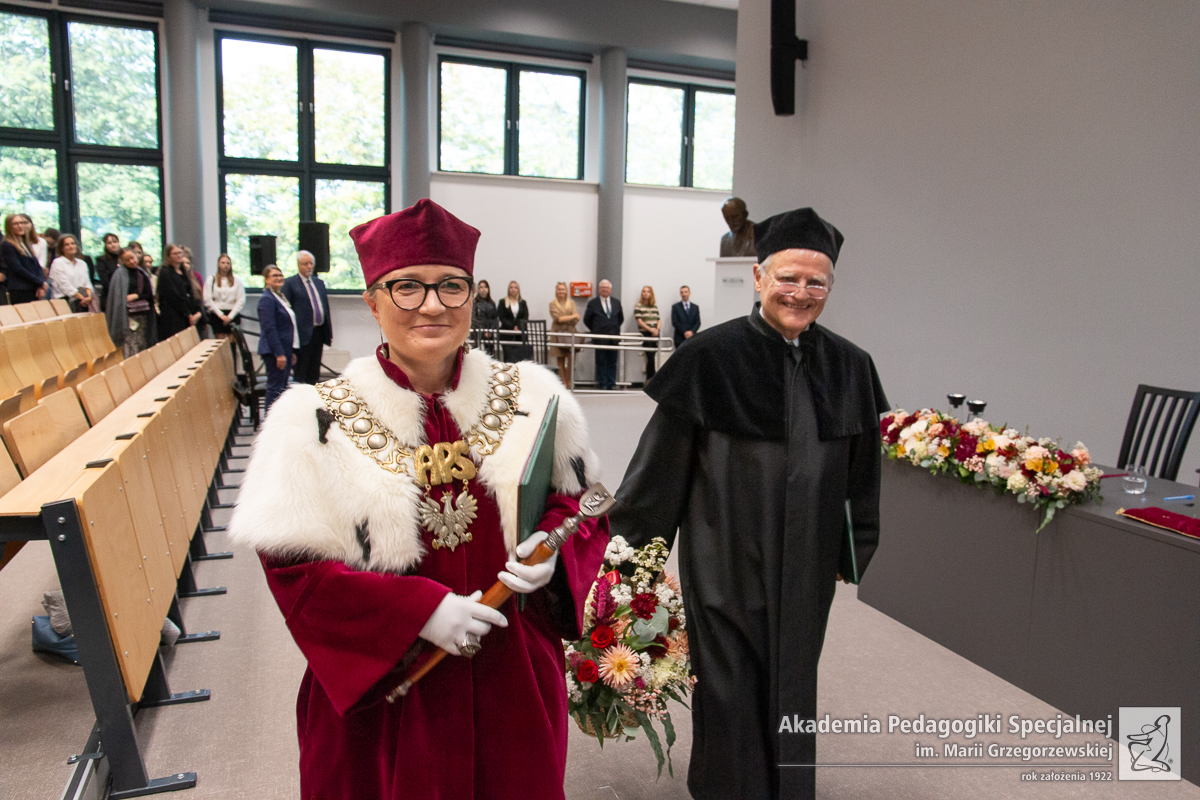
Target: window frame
pixel 687 143
pixel 305 168
pixel 512 112
pixel 61 137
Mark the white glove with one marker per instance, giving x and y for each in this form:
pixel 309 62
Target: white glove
pixel 455 617
pixel 524 579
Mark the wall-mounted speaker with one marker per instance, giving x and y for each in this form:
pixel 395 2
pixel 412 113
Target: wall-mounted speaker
pixel 262 253
pixel 314 237
pixel 786 50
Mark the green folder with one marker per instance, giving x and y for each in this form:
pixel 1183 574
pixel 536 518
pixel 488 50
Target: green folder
pixel 535 477
pixel 848 563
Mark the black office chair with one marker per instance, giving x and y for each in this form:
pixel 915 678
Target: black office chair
pixel 1159 427
pixel 250 388
pixel 486 336
pixel 533 336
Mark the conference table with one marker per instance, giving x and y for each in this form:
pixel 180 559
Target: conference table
pixel 1095 612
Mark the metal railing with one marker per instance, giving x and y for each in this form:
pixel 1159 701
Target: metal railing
pixel 577 341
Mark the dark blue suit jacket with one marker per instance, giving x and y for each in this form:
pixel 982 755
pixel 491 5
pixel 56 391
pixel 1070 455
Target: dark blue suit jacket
pixel 276 325
pixel 293 290
pixel 596 322
pixel 684 321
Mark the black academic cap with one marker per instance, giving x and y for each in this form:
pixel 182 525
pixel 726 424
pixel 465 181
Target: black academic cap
pixel 801 228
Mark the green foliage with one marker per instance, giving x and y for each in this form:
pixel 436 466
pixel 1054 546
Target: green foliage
pixel 261 205
pixel 655 132
pixel 29 184
pixel 113 86
pixel 473 118
pixel 259 88
pixel 348 94
pixel 344 204
pixel 712 159
pixel 549 129
pixel 25 90
pixel 123 199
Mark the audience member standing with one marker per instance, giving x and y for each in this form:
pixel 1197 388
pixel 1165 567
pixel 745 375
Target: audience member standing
pixel 177 306
pixel 107 263
pixel 23 275
pixel 511 310
pixel 485 318
pixel 563 317
pixel 310 302
pixel 69 277
pixel 645 313
pixel 279 337
pixel 685 317
pixel 130 306
pixel 603 315
pixel 224 296
pixel 42 246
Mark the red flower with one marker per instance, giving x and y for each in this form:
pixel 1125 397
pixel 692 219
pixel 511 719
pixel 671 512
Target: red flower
pixel 602 637
pixel 966 447
pixel 587 672
pixel 659 648
pixel 643 605
pixel 885 423
pixel 672 624
pixel 613 577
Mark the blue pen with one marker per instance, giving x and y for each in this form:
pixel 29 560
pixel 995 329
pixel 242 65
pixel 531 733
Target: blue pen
pixel 1180 497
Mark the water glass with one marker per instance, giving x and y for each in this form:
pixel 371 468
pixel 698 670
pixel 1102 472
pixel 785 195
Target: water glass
pixel 1134 480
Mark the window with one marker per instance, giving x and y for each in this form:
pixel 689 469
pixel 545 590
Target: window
pixel 80 128
pixel 510 119
pixel 303 130
pixel 679 135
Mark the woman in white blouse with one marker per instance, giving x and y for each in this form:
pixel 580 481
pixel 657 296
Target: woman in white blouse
pixel 69 276
pixel 224 296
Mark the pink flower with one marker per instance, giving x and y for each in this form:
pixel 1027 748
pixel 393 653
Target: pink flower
pixel 619 666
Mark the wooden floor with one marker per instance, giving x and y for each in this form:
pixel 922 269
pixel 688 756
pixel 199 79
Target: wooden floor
pixel 242 742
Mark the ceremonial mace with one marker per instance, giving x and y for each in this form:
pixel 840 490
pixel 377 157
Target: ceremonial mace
pixel 594 502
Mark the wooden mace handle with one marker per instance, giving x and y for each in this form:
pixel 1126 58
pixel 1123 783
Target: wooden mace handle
pixel 494 598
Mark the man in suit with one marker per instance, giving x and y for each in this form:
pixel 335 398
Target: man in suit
pixel 306 292
pixel 603 315
pixel 685 317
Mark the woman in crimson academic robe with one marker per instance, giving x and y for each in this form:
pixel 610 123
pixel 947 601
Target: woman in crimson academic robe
pixel 359 497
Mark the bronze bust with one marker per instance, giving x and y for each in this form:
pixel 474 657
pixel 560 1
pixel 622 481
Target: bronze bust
pixel 740 239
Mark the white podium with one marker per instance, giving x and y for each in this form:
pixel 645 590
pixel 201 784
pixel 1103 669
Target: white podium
pixel 733 288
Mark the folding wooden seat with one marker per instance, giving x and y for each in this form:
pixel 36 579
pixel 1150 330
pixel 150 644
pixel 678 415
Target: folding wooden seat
pixel 61 307
pixel 118 384
pixel 133 373
pixel 27 312
pixel 148 366
pixel 9 316
pixel 190 337
pixel 97 332
pixel 96 398
pixel 9 477
pixel 74 368
pixel 82 344
pixel 44 309
pixel 163 357
pixel 42 350
pixel 176 345
pixel 68 416
pixel 16 341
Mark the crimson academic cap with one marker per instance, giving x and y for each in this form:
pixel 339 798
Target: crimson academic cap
pixel 424 233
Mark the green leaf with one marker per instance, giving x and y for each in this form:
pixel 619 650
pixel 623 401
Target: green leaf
pixel 647 630
pixel 598 725
pixel 669 728
pixel 652 735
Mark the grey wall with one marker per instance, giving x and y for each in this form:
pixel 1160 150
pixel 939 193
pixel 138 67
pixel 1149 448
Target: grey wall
pixel 1019 186
pixel 680 32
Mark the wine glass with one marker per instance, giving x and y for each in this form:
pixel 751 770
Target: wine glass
pixel 976 407
pixel 956 401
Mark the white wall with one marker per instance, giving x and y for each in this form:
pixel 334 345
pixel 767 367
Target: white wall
pixel 1019 186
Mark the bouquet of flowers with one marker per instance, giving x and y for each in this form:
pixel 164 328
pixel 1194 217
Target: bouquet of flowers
pixel 1037 471
pixel 633 656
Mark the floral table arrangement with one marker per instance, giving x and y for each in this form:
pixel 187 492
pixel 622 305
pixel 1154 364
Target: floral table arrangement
pixel 633 656
pixel 1037 471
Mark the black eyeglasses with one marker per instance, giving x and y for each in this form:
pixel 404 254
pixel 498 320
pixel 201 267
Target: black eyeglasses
pixel 409 295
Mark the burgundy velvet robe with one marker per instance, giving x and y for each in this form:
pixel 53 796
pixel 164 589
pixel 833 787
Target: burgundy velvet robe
pixel 492 727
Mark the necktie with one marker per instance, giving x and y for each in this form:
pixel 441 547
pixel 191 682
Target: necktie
pixel 318 311
pixel 687 307
pixel 607 310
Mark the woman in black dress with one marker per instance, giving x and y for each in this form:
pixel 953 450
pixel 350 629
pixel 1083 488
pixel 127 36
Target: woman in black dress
pixel 484 318
pixel 511 311
pixel 24 277
pixel 177 306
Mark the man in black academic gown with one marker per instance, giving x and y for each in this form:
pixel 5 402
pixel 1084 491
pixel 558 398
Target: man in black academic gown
pixel 765 427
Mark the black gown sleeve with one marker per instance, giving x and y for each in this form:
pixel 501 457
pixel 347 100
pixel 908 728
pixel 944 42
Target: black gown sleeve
pixel 653 496
pixel 862 487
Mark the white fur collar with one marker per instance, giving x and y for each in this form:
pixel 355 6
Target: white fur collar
pixel 301 497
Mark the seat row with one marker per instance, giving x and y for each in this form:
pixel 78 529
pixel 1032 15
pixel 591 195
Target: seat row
pixel 32 312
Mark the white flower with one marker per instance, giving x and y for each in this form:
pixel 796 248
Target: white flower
pixel 975 427
pixel 664 593
pixel 1075 481
pixel 622 594
pixel 1017 483
pixel 1045 441
pixel 573 690
pixel 1012 433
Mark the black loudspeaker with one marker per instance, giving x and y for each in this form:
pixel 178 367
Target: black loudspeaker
pixel 314 237
pixel 786 50
pixel 262 253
